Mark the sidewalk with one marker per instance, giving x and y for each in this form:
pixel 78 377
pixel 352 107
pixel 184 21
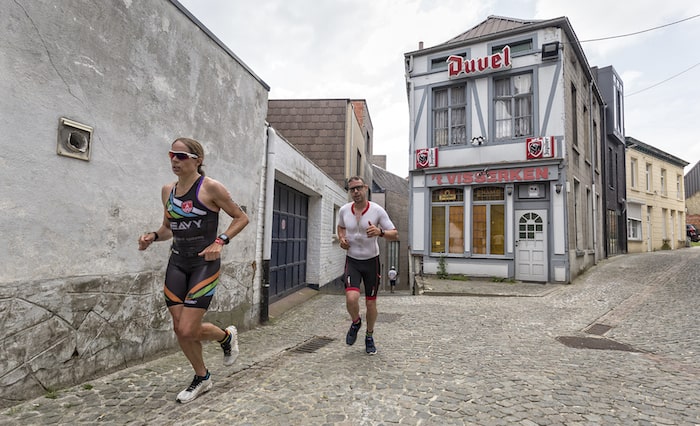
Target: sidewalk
pixel 434 286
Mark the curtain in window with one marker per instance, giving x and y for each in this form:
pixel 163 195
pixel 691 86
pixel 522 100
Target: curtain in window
pixel 479 229
pixel 437 229
pixel 522 85
pixel 523 110
pixel 456 229
pixel 440 117
pixel 498 229
pixel 502 109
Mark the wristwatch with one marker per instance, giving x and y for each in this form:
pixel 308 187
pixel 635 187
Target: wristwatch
pixel 381 234
pixel 224 238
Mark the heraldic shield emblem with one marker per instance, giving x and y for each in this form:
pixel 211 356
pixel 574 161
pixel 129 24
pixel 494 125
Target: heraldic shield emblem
pixel 187 206
pixel 426 157
pixel 540 147
pixel 534 148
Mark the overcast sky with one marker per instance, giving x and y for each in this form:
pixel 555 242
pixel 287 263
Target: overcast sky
pixel 313 49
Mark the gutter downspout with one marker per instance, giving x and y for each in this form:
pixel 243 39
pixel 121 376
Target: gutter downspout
pixel 594 165
pixel 410 94
pixel 267 200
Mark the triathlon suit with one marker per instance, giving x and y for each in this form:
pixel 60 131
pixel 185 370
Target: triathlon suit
pixel 189 279
pixel 362 261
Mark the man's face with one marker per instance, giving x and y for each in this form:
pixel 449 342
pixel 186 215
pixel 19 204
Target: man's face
pixel 357 190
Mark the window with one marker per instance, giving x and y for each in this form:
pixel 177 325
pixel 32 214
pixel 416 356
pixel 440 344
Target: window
pixel 663 182
pixel 648 177
pixel 634 222
pixel 595 142
pixel 633 172
pixel 488 221
pixel 618 106
pixel 586 135
pixel 574 115
pixel 515 47
pixel 450 115
pixel 589 219
pixel 447 221
pixel 611 169
pixel 679 187
pixel 529 225
pixel 513 103
pixel 578 219
pixel 613 236
pixel 634 229
pixel 440 63
pixel 358 170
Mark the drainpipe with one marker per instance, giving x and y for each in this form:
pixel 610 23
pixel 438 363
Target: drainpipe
pixel 594 164
pixel 268 187
pixel 410 95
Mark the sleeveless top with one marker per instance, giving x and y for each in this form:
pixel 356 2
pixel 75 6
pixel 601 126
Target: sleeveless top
pixel 194 226
pixel 363 247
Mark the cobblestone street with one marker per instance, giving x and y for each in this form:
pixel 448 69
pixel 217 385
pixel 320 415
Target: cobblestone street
pixel 442 360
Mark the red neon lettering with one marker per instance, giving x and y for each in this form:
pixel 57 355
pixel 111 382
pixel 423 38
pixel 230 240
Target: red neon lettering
pixel 529 173
pixel 514 175
pixel 438 178
pixel 542 173
pixel 503 176
pixel 452 178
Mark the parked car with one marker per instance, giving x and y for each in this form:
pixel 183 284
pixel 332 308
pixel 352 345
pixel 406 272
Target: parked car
pixel 692 233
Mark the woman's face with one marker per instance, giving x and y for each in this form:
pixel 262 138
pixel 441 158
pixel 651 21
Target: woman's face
pixel 183 166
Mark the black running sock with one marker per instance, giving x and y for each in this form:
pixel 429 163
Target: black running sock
pixel 226 338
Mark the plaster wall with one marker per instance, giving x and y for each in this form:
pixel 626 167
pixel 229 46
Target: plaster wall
pixel 74 289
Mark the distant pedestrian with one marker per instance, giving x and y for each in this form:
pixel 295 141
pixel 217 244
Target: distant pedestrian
pixel 392 278
pixel 191 219
pixel 360 222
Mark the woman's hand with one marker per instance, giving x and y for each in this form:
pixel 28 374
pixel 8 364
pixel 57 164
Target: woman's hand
pixel 146 239
pixel 212 252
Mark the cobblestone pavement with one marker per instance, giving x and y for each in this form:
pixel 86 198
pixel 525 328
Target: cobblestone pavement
pixel 442 361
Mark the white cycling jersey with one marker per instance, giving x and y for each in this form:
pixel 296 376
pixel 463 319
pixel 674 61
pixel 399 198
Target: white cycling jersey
pixel 363 247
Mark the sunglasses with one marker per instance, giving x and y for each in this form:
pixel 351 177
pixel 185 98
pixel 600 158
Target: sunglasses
pixel 356 188
pixel 182 155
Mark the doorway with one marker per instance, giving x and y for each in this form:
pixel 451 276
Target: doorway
pixel 531 245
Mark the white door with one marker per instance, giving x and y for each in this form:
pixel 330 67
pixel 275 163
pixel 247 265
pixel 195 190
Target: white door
pixel 531 245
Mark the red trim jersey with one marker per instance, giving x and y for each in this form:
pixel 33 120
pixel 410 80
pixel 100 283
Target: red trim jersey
pixel 363 247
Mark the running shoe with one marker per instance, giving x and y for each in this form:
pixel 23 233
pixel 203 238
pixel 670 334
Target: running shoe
pixel 352 333
pixel 369 345
pixel 198 386
pixel 230 346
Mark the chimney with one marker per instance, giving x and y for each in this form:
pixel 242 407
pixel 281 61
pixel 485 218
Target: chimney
pixel 420 45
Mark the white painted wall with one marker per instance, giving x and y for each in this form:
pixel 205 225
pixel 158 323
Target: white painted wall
pixel 325 258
